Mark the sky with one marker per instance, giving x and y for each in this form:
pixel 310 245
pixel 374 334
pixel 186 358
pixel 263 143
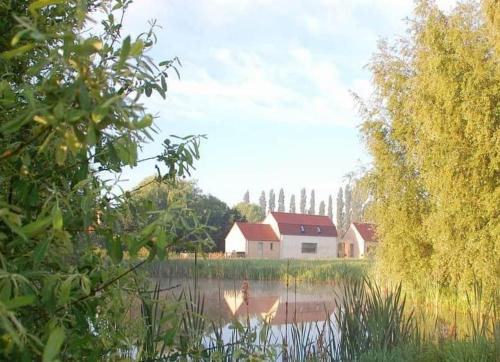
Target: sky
pixel 270 83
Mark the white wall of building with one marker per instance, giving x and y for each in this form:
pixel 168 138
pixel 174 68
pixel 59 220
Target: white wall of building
pixel 272 221
pixel 291 247
pixel 361 243
pixel 235 241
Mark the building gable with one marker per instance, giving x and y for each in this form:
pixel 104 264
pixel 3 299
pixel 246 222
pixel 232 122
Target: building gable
pixel 366 230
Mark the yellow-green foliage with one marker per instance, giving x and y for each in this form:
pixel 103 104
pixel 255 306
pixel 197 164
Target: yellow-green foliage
pixel 432 129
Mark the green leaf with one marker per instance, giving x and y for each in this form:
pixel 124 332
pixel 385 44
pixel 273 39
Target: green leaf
pixel 54 344
pixel 116 251
pixel 19 302
pixel 125 51
pixel 37 226
pixel 91 136
pixel 40 250
pixel 57 218
pixel 9 54
pixel 36 5
pixel 137 48
pixel 145 122
pixel 83 98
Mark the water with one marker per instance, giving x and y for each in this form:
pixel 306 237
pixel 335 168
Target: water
pixel 257 302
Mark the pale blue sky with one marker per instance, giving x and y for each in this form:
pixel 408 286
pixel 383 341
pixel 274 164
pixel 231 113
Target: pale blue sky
pixel 268 82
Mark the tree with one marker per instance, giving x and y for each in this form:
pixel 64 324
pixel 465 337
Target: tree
pixel 272 200
pixel 292 204
pixel 321 208
pixel 432 131
pixel 360 196
pixel 246 197
pixel 71 118
pixel 340 210
pixel 312 204
pixel 215 213
pixel 281 201
pixel 262 204
pixel 330 207
pixel 303 201
pixel 251 212
pixel 347 206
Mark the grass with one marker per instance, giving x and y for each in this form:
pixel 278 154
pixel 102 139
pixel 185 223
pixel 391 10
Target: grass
pixel 260 269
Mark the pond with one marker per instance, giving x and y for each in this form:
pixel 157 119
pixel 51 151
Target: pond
pixel 259 302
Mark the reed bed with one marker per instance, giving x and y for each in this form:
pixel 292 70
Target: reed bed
pixel 368 324
pixel 260 269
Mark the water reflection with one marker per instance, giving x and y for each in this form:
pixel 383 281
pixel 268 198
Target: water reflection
pixel 269 301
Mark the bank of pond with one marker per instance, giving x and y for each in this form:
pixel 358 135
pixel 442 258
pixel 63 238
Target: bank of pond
pixel 261 269
pixel 242 309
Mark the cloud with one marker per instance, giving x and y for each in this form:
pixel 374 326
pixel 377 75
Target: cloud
pixel 301 87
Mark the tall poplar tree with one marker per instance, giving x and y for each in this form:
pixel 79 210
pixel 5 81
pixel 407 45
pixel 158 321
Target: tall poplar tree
pixel 432 129
pixel 321 208
pixel 246 197
pixel 292 204
pixel 312 204
pixel 262 203
pixel 340 210
pixel 330 207
pixel 347 206
pixel 303 201
pixel 281 201
pixel 272 200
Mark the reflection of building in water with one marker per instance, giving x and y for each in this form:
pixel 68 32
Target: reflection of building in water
pixel 265 307
pixel 273 309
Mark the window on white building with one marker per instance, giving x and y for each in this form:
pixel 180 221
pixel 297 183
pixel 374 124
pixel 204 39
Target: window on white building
pixel 309 248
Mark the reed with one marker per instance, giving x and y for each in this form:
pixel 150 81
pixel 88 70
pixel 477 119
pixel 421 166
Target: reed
pixel 260 269
pixel 368 324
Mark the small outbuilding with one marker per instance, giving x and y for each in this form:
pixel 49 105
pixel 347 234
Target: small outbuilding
pixel 359 240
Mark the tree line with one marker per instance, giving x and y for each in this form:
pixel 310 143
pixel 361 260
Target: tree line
pixel 351 203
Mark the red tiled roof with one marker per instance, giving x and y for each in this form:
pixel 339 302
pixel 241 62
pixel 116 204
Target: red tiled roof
pixel 259 232
pixel 302 224
pixel 366 230
pixel 301 219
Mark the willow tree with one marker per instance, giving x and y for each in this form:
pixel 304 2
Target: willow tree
pixel 432 127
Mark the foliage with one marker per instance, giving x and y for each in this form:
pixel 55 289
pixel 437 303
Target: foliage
pixel 251 212
pixel 371 320
pixel 312 204
pixel 347 206
pixel 340 211
pixel 246 197
pixel 281 201
pixel 330 207
pixel 292 204
pixel 303 201
pixel 272 200
pixel 185 204
pixel 263 204
pixel 321 208
pixel 432 128
pixel 71 114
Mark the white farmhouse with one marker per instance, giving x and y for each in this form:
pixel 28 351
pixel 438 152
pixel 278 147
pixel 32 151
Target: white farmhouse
pixel 284 236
